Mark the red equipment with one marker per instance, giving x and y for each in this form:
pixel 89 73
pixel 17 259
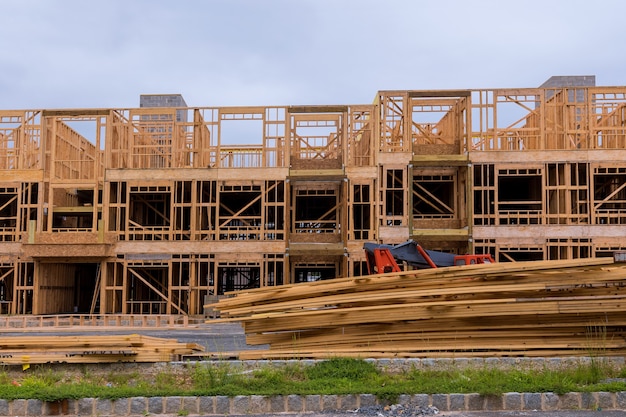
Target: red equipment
pixel 381 262
pixel 473 259
pixel 383 258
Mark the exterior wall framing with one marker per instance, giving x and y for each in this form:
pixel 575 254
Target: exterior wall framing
pixel 157 210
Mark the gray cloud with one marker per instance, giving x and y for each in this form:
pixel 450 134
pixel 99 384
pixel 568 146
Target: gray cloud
pixel 61 53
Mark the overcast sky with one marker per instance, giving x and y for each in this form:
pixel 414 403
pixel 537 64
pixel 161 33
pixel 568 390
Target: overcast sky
pixel 80 53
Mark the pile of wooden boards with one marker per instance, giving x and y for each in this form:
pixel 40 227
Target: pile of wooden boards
pixel 92 349
pixel 538 308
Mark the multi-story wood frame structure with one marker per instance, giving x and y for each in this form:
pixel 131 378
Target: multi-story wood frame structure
pixel 151 210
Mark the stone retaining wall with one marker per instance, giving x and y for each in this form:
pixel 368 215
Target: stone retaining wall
pixel 257 404
pixel 386 365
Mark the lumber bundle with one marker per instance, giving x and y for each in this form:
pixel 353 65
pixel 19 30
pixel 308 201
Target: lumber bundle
pixel 539 308
pixel 92 349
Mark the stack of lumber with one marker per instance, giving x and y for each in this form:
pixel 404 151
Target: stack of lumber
pixel 92 349
pixel 542 308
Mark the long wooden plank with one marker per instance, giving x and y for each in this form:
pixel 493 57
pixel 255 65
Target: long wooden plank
pixel 462 345
pixel 591 332
pixel 424 311
pixel 92 349
pixel 403 284
pixel 570 284
pixel 392 280
pixel 534 306
pixel 326 354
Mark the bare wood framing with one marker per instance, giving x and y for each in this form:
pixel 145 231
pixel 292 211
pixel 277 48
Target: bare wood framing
pixel 266 195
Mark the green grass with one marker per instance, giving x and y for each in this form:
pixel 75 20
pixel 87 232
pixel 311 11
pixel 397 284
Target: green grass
pixel 335 376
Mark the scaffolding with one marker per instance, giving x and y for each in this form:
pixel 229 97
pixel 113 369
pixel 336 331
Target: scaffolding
pixel 156 210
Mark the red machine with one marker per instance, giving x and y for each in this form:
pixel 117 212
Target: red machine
pixel 384 258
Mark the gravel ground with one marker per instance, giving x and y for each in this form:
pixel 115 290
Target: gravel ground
pixel 426 412
pixel 357 413
pixel 396 410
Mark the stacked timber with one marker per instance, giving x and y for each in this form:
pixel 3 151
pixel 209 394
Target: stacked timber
pixel 539 308
pixel 92 349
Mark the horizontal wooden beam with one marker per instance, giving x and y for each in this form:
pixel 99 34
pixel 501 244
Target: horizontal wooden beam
pixel 76 112
pixel 440 234
pixel 317 109
pixel 440 160
pixel 440 93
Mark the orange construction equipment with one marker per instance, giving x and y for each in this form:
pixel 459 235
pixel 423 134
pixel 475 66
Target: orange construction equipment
pixel 381 261
pixel 473 259
pixel 384 258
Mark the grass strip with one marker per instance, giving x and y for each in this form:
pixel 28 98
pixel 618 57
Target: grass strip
pixel 339 376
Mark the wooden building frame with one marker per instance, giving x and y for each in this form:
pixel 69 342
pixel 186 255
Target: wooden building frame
pixel 155 210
